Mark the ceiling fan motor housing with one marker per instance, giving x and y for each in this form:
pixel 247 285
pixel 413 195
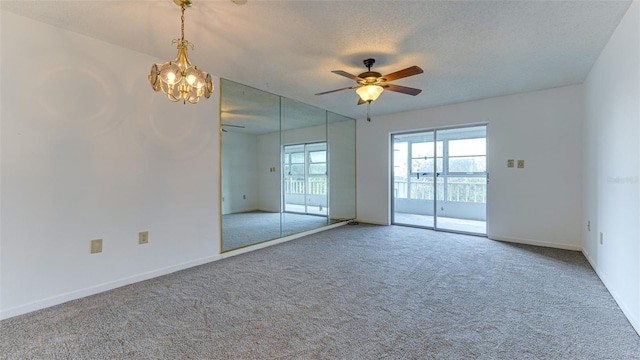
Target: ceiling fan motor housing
pixel 370 77
pixel 368 63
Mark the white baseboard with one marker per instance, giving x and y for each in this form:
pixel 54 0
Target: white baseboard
pixel 535 242
pixel 635 322
pixel 92 290
pixel 280 240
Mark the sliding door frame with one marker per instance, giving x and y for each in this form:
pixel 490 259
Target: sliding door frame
pixel 434 173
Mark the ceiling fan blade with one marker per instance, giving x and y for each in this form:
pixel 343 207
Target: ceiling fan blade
pixel 360 101
pixel 336 90
pixel 402 89
pixel 238 126
pixel 347 75
pixel 410 71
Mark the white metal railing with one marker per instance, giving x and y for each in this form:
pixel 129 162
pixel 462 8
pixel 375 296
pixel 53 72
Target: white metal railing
pixel 456 191
pixel 298 187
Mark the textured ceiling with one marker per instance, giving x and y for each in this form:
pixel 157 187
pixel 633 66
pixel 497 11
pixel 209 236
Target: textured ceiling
pixel 469 50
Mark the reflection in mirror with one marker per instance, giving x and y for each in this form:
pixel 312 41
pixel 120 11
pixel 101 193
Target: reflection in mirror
pixel 250 172
pixel 341 134
pixel 287 167
pixel 306 183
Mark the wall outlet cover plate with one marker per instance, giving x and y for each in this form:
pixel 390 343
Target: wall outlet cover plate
pixel 96 246
pixel 143 237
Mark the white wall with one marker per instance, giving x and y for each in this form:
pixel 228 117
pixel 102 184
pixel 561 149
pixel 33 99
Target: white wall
pixel 269 187
pixel 240 172
pixel 90 151
pixel 539 204
pixel 612 165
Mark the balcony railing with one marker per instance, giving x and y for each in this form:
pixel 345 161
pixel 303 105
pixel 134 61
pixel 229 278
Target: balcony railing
pixel 297 187
pixel 455 191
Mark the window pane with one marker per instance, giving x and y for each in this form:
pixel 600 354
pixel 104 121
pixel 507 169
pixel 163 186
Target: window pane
pixel 400 161
pixel 468 164
pixel 297 158
pixel 318 169
pixel 422 166
pixel 317 156
pixel 425 149
pixel 467 147
pixel 297 169
pixel 421 150
pixel 425 166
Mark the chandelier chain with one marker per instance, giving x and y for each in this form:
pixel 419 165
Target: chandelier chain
pixel 182 27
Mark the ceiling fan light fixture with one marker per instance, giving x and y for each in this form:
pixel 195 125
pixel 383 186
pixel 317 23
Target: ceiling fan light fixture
pixel 369 93
pixel 180 79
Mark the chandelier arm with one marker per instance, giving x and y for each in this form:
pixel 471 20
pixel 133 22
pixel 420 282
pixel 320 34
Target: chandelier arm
pixel 170 95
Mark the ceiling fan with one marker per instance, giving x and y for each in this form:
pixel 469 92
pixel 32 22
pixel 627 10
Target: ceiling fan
pixel 371 83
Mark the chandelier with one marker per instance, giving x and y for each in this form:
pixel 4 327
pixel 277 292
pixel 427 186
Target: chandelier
pixel 180 79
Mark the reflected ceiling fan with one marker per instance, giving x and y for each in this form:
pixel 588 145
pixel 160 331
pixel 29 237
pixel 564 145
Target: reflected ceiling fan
pixel 371 83
pixel 235 126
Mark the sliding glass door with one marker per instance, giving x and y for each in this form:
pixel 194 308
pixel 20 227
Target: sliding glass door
pixel 413 179
pixel 463 180
pixel 440 179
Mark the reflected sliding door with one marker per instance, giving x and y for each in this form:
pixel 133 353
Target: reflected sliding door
pixel 305 179
pixel 440 179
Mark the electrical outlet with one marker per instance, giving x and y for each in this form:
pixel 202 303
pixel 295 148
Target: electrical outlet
pixel 510 163
pixel 143 237
pixel 601 239
pixel 96 246
pixel 520 164
pixel 244 197
pixel 589 225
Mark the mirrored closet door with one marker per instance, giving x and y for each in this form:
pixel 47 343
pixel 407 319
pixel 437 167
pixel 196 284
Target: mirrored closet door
pixel 282 161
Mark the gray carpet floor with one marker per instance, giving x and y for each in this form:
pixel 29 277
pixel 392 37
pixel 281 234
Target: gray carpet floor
pixel 247 228
pixel 354 292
